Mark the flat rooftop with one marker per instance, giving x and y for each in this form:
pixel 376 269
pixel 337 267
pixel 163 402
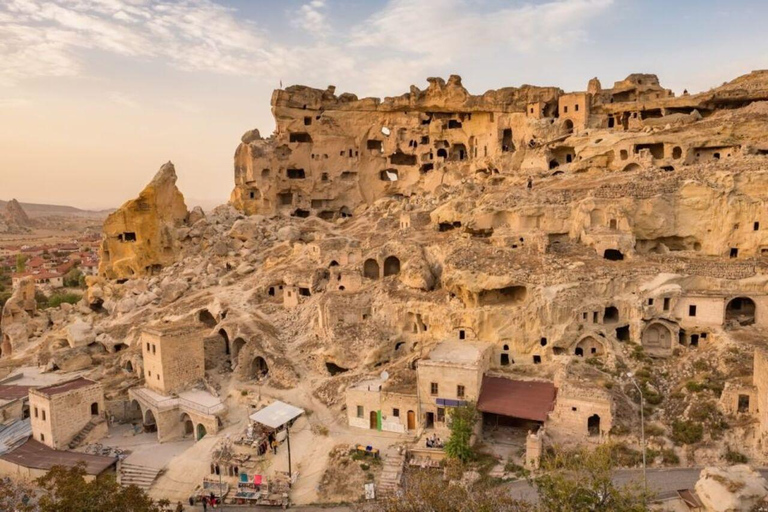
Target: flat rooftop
pixel 13 392
pixel 63 387
pixel 38 456
pixel 457 352
pixel 172 328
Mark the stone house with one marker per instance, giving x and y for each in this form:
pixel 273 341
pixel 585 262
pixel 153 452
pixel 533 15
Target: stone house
pixel 60 412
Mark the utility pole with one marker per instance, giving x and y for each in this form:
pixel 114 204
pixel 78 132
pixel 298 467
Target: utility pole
pixel 642 430
pixel 288 440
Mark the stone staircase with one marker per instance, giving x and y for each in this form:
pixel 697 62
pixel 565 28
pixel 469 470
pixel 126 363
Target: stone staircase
pixel 80 437
pixel 140 476
pixel 391 475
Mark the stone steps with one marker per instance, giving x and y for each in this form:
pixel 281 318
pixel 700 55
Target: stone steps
pixel 140 476
pixel 391 475
pixel 80 437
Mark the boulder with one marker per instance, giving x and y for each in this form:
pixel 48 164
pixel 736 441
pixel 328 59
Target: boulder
pixel 731 489
pixel 80 333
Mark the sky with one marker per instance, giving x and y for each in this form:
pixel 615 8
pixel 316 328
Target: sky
pixel 95 95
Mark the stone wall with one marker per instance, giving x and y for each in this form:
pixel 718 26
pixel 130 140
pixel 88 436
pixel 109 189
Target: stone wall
pixel 58 418
pixel 174 358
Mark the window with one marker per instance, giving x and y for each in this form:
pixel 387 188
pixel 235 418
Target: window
pixel 734 252
pixel 149 372
pixel 148 347
pixel 154 349
pixel 441 414
pixel 594 317
pixel 565 109
pixel 307 121
pixel 692 310
pixel 666 303
pixel 462 334
pixel 459 391
pixel 756 226
pixel 43 411
pixel 536 359
pixel 158 376
pixel 433 388
pixel 42 437
pixel 650 302
pixel 360 411
pixel 743 403
pixel 576 107
pixel 35 412
pixel 396 413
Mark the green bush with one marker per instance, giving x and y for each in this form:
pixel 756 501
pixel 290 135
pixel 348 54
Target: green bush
pixel 734 457
pixel 687 432
pixel 694 387
pixel 668 456
pixel 58 299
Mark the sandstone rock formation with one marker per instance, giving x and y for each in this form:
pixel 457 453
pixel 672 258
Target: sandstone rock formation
pixel 734 489
pixel 140 238
pixel 579 237
pixel 13 218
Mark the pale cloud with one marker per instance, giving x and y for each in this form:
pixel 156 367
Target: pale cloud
pixel 46 38
pixel 404 40
pixel 445 29
pixel 312 17
pixel 124 100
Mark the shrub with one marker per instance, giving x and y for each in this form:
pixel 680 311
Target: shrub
pixel 58 299
pixel 694 387
pixel 734 457
pixel 687 432
pixel 668 456
pixel 652 429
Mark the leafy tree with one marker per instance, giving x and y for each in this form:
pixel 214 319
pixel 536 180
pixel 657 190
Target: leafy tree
pixel 21 263
pixel 580 480
pixel 462 424
pixel 73 277
pixel 426 491
pixel 65 490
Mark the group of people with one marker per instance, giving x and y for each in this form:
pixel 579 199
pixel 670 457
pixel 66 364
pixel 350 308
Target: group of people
pixel 434 442
pixel 210 500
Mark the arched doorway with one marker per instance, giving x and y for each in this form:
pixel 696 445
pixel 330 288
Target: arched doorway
pixel 589 346
pixel 224 335
pixel 657 335
pixel 411 420
pixel 237 346
pixel 613 255
pixel 189 427
pixel 593 425
pixel 611 315
pixel 374 420
pixel 371 269
pixel 128 366
pixel 391 266
pixel 740 311
pixel 95 409
pixel 206 318
pixel 259 368
pixel 201 432
pixel 150 424
pixel 568 125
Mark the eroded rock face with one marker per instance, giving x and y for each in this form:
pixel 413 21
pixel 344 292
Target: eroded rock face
pixel 732 489
pixel 16 324
pixel 141 238
pixel 13 218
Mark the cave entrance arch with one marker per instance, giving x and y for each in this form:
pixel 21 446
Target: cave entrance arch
pixel 259 368
pixel 189 427
pixel 371 269
pixel 593 425
pixel 741 311
pixel 391 266
pixel 237 346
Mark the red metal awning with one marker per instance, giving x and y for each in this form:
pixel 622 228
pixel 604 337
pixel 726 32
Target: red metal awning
pixel 524 399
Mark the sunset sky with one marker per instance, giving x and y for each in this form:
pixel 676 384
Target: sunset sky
pixel 95 95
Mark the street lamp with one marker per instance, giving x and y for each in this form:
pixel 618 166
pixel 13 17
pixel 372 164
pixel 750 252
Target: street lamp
pixel 642 428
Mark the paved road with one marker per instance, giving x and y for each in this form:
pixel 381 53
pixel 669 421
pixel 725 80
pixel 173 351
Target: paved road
pixel 661 482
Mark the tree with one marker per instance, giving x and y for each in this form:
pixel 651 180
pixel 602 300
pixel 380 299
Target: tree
pixel 426 491
pixel 21 263
pixel 73 277
pixel 462 425
pixel 580 480
pixel 65 490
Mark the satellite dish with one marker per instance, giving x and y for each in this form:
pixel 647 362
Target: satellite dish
pixel 384 375
pixel 386 131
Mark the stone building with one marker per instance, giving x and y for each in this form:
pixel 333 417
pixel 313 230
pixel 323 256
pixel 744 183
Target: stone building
pixel 174 363
pixel 62 411
pixel 174 357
